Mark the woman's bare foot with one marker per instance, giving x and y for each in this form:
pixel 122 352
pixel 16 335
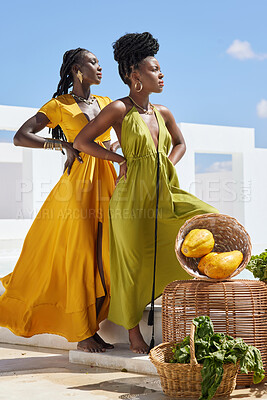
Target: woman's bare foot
pixel 90 345
pixel 138 345
pixel 99 340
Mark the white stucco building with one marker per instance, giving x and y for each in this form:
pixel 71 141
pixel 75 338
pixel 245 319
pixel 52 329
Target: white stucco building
pixel 27 176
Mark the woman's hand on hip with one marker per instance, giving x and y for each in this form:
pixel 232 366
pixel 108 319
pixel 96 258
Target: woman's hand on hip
pixel 72 154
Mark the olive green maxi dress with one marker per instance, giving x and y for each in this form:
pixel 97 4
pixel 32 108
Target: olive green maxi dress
pixel 132 221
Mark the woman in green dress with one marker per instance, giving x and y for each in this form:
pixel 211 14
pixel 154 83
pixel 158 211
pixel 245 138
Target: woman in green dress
pixel 147 186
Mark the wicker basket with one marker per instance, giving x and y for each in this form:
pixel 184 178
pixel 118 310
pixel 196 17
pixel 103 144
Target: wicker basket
pixel 228 234
pixel 184 380
pixel 237 307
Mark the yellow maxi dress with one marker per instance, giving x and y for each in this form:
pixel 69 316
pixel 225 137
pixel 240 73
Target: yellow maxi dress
pixel 56 281
pixel 132 221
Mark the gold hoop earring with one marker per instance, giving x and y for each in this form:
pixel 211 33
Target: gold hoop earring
pixel 141 86
pixel 80 76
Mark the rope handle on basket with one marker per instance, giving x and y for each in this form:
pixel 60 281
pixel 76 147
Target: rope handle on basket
pixel 193 360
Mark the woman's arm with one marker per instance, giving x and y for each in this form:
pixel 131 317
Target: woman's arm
pixel 26 137
pixel 178 141
pixel 115 146
pixel 109 116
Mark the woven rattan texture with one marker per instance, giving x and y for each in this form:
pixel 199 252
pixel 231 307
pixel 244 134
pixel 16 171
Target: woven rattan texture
pixel 236 307
pixel 184 380
pixel 228 234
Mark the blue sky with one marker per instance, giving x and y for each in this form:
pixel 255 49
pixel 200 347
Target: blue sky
pixel 213 53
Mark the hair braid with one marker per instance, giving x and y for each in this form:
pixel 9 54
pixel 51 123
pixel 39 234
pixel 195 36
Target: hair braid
pixel 66 81
pixel 131 49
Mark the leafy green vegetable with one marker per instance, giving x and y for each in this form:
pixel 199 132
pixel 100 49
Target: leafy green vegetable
pixel 258 266
pixel 215 349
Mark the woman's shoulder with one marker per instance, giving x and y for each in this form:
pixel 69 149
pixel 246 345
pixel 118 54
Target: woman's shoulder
pixel 117 106
pixel 64 99
pixel 104 99
pixel 164 111
pixel 161 108
pixel 121 107
pixel 121 103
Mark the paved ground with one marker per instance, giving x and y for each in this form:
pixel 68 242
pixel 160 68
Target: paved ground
pixel 28 373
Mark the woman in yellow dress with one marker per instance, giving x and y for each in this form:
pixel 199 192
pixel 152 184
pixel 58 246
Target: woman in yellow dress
pixel 61 282
pixel 147 207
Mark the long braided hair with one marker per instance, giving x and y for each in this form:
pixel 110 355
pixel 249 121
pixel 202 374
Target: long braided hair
pixel 66 81
pixel 131 49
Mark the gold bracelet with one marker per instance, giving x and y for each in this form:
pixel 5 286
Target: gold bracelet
pixel 121 163
pixel 53 144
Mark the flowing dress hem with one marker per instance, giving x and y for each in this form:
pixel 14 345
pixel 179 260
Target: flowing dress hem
pixel 27 322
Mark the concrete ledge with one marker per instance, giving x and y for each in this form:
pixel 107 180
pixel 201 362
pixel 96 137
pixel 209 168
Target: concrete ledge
pixel 121 357
pixel 44 340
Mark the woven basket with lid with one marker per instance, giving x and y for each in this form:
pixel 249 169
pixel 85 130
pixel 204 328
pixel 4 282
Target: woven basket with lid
pixel 184 380
pixel 228 234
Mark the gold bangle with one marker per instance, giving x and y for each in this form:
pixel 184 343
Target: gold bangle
pixel 58 146
pixel 53 144
pixel 47 144
pixel 121 163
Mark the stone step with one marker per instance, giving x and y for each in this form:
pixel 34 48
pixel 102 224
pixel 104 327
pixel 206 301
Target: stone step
pixel 120 358
pixel 44 340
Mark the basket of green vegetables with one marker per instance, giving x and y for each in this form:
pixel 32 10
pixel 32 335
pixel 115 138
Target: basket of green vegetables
pixel 205 364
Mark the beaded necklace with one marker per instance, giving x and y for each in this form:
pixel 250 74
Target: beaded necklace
pixel 88 101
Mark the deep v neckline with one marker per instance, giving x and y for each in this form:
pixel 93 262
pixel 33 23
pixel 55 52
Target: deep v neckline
pixel 81 111
pixel 156 115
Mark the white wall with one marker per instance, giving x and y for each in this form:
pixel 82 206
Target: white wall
pixel 36 171
pixel 11 118
pixel 41 170
pixel 218 190
pixel 255 197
